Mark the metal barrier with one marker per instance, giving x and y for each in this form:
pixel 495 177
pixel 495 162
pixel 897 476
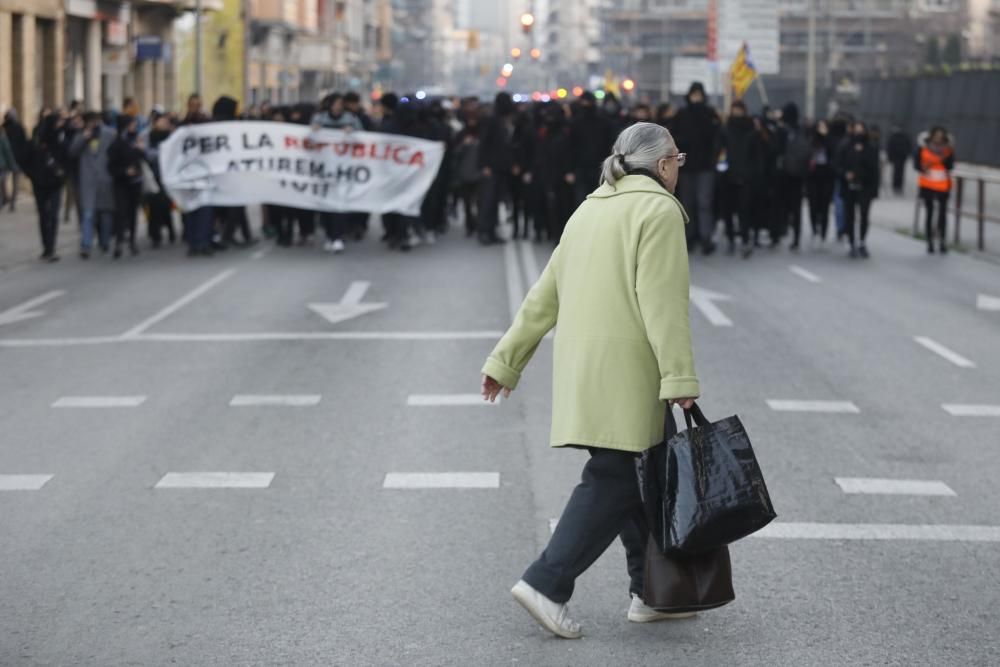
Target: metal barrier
pixel 960 178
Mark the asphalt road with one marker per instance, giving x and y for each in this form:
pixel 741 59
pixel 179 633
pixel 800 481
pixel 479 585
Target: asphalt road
pixel 322 565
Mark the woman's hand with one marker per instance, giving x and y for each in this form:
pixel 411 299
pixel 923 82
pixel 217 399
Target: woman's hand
pixel 491 389
pixel 686 403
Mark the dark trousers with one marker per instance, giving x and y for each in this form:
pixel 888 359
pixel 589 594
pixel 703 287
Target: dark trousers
pixel 856 203
pixel 897 175
pixel 127 198
pixel 160 218
pixel 820 195
pixel 696 192
pixel 736 203
pixel 198 228
pixel 48 220
pixel 932 197
pixel 789 208
pixel 604 505
pixel 235 218
pixel 492 191
pixel 335 224
pixel 468 193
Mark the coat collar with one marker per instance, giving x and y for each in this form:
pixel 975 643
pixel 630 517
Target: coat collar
pixel 634 183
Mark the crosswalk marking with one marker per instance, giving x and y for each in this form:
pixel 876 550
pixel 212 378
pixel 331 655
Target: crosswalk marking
pixel 23 482
pixel 99 402
pixel 897 487
pixel 958 410
pixel 804 273
pixel 879 531
pixel 292 400
pixel 438 400
pixel 781 405
pixel 942 351
pixel 441 480
pixel 215 480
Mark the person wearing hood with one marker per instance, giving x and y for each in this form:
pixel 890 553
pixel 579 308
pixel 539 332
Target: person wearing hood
pixel 89 149
pixel 697 129
pixel 741 162
pixel 592 136
pixel 497 162
pixel 550 163
pixel 160 216
pixel 126 156
pixel 231 218
pixel 858 169
pixel 44 162
pixel 795 152
pixel 935 160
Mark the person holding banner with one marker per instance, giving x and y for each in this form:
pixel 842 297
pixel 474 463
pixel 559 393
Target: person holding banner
pixel 332 115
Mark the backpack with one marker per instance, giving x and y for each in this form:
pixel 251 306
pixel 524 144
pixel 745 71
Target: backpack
pixel 798 153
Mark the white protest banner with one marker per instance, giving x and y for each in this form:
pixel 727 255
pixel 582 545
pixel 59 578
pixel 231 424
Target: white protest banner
pixel 239 163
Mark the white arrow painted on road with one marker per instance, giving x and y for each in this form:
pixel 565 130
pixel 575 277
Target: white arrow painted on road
pixel 704 300
pixel 24 311
pixel 987 302
pixel 350 305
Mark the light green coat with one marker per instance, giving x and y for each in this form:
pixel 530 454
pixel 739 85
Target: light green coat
pixel 617 286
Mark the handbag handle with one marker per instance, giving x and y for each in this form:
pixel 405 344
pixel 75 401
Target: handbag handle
pixel 697 414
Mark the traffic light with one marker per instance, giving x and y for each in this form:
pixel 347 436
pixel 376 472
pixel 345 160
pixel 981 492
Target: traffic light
pixel 536 53
pixel 628 85
pixel 515 53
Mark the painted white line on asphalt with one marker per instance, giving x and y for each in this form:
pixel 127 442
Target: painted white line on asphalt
pixel 256 337
pixel 24 310
pixel 704 300
pixel 23 482
pixel 292 400
pixel 879 531
pixel 803 273
pixel 59 342
pixel 442 480
pixel 99 402
pixel 987 302
pixel 531 271
pixel 941 350
pixel 447 400
pixel 515 286
pixel 177 305
pixel 957 410
pixel 894 487
pixel 779 405
pixel 215 480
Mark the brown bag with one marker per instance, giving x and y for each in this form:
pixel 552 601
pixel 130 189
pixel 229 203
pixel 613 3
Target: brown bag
pixel 687 583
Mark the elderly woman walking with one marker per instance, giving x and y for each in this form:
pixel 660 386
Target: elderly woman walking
pixel 617 286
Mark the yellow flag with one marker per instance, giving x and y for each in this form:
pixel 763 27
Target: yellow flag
pixel 742 72
pixel 610 82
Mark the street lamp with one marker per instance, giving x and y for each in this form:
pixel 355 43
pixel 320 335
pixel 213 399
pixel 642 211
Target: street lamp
pixel 515 53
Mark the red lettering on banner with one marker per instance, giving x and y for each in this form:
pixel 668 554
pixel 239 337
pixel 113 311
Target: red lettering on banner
pixel 341 149
pixel 417 159
pixel 397 153
pixel 291 142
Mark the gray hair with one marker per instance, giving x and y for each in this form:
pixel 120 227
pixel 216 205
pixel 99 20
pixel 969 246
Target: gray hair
pixel 639 146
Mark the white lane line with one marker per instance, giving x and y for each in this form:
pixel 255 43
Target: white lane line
pixel 803 273
pixel 879 531
pixel 215 480
pixel 99 402
pixel 531 271
pixel 177 305
pixel 780 405
pixel 704 300
pixel 292 400
pixel 894 487
pixel 958 410
pixel 23 482
pixel 441 480
pixel 264 336
pixel 24 310
pixel 515 286
pixel 987 302
pixel 941 350
pixel 450 400
pixel 59 342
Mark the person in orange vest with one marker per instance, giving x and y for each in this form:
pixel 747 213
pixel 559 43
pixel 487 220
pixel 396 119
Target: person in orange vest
pixel 934 160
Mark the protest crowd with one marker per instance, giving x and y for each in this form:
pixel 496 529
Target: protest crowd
pixel 530 162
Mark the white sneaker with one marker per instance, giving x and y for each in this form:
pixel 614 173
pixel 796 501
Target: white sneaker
pixel 638 612
pixel 337 246
pixel 553 616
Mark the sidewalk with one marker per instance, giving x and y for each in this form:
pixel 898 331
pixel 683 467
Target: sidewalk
pixel 20 242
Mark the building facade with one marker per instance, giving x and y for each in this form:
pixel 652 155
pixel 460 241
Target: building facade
pixel 32 48
pixel 573 41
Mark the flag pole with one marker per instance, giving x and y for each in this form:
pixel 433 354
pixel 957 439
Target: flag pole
pixel 759 80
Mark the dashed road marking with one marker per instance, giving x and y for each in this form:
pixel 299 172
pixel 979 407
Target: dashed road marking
pixel 515 285
pixel 441 480
pixel 99 402
pixel 879 531
pixel 215 480
pixel 805 274
pixel 894 487
pixel 959 410
pixel 451 400
pixel 291 400
pixel 781 405
pixel 940 350
pixel 24 311
pixel 23 482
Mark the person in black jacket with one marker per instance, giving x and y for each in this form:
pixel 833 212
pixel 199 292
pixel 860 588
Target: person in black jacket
pixel 125 158
pixel 497 163
pixel 820 179
pixel 18 139
pixel 592 138
pixel 696 128
pixel 859 177
pixel 549 173
pixel 44 162
pixel 742 162
pixel 898 150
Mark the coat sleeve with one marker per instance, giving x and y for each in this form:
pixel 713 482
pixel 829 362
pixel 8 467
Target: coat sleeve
pixel 536 318
pixel 662 288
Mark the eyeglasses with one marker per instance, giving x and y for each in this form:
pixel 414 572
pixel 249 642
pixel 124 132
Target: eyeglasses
pixel 681 158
